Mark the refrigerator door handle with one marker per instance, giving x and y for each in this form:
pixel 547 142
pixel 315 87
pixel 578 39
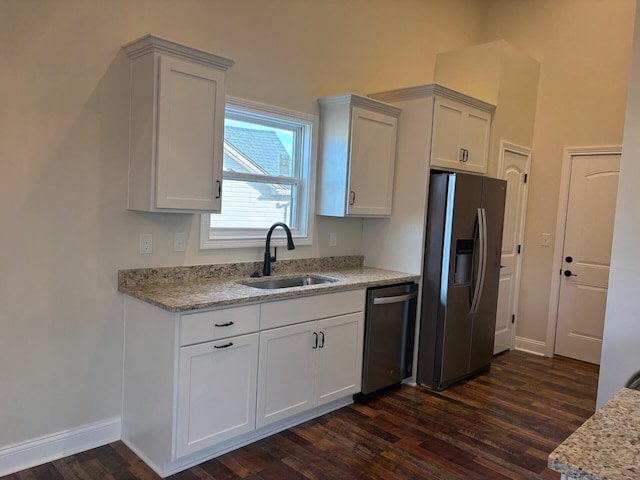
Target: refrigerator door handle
pixel 482 259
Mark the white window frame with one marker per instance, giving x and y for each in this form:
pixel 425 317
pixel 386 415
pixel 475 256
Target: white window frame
pixel 303 233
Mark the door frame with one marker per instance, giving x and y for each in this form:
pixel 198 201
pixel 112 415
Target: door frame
pixel 506 146
pixel 561 221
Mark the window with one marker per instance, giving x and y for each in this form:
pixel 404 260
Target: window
pixel 268 176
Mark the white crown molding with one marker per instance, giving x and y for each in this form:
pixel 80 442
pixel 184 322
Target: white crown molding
pixel 151 43
pixel 359 101
pixel 58 445
pixel 430 90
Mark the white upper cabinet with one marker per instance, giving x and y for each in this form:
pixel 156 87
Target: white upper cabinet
pixel 460 136
pixel 358 149
pixel 176 127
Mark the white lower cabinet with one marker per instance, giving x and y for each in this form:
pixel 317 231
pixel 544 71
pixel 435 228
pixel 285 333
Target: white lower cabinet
pixel 202 383
pixel 216 392
pixel 339 366
pixel 307 365
pixel 286 372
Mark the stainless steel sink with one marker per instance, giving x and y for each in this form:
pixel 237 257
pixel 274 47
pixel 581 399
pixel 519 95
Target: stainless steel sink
pixel 275 283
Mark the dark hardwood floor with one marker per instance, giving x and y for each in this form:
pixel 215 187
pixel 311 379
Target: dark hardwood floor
pixel 497 425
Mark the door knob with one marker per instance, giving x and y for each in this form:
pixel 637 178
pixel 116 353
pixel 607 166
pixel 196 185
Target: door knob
pixel 567 273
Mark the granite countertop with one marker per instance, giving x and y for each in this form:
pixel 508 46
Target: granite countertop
pixel 605 447
pixel 180 289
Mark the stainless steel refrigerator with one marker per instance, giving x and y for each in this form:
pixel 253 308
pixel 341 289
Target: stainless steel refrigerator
pixel 460 277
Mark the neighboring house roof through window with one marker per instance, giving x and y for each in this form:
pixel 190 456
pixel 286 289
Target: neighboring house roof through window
pixel 262 147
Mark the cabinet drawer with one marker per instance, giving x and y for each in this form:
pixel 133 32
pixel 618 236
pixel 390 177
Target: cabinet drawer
pixel 288 312
pixel 215 324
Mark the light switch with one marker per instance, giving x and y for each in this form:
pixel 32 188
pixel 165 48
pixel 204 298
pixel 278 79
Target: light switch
pixel 546 240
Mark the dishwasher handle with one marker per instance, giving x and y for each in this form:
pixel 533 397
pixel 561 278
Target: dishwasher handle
pixel 396 299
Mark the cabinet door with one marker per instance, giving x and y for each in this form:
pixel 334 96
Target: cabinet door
pixel 372 161
pixel 189 138
pixel 339 371
pixel 447 133
pixel 458 128
pixel 216 392
pixel 475 135
pixel 285 372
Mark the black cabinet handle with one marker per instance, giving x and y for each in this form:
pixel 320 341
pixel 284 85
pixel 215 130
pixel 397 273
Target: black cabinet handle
pixel 228 324
pixel 352 200
pixel 461 159
pixel 316 340
pixel 219 184
pixel 321 340
pixel 226 345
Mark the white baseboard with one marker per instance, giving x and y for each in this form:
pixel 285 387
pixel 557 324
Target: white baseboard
pixel 58 445
pixel 531 346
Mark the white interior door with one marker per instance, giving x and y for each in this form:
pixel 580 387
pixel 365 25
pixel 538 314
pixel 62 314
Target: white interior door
pixel 514 168
pixel 586 255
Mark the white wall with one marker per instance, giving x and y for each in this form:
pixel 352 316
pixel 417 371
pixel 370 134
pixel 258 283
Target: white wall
pixel 583 47
pixel 63 162
pixel 621 344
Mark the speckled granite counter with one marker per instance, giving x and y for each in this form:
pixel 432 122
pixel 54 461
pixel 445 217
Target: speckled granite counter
pixel 179 289
pixel 605 447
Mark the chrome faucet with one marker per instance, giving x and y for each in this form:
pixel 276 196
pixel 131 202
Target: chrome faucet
pixel 266 268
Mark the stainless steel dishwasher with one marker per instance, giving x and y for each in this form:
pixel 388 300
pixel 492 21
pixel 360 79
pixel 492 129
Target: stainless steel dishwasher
pixel 388 335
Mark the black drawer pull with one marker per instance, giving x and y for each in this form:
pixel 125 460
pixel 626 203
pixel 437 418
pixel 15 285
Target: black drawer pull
pixel 321 340
pixel 226 345
pixel 228 324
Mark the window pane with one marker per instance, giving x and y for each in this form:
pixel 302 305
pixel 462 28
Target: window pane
pixel 255 205
pixel 258 149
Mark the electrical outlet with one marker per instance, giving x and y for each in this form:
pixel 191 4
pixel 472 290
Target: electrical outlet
pixel 546 240
pixel 333 239
pixel 146 244
pixel 179 242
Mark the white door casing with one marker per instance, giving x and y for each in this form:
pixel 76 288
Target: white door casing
pixel 513 167
pixel 582 252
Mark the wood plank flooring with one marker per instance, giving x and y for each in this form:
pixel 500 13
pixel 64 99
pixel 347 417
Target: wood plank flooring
pixel 498 425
